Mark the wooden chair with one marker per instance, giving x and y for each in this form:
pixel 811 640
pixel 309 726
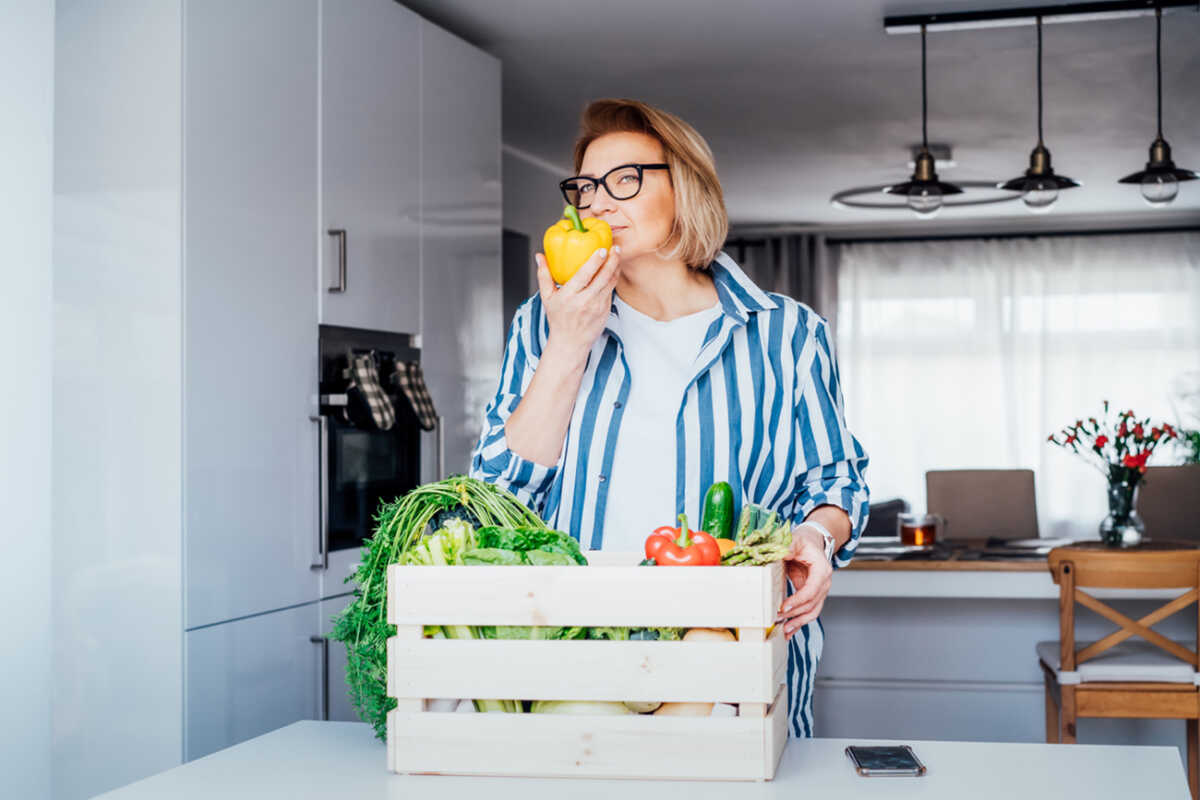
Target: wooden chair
pixel 1155 678
pixel 1169 502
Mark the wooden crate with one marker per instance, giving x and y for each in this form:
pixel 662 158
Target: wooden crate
pixel 750 672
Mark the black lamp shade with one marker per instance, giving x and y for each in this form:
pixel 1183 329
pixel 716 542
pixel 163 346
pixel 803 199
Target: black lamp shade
pixel 1032 183
pixel 908 186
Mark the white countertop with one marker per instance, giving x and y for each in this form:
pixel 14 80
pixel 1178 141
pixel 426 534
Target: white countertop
pixel 342 759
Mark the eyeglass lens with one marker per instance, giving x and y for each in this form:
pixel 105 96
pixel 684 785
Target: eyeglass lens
pixel 622 184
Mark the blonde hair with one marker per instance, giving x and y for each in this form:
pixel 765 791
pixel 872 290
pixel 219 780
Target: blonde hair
pixel 701 223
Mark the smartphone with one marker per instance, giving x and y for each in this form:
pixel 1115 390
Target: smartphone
pixel 871 761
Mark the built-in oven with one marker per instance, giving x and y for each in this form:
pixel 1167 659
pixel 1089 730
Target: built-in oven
pixel 370 432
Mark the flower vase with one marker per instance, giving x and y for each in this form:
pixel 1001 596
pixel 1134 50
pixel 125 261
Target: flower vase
pixel 1123 527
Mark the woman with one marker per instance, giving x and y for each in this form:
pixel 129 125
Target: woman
pixel 660 368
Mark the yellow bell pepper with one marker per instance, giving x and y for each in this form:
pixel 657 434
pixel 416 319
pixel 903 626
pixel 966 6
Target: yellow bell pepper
pixel 570 242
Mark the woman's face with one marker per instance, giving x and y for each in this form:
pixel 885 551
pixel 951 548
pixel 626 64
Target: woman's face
pixel 642 223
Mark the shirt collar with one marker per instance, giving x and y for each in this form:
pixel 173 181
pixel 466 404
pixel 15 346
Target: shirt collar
pixel 738 294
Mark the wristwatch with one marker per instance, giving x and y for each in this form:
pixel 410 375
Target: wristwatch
pixel 830 542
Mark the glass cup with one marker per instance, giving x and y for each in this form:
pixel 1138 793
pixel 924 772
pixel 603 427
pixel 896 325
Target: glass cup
pixel 919 529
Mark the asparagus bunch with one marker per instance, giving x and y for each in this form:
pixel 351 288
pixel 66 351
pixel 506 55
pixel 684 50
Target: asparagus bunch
pixel 762 537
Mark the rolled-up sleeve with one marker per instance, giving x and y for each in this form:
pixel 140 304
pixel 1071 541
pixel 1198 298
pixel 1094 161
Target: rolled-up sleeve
pixel 492 460
pixel 832 467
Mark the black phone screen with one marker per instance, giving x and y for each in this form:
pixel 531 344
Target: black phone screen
pixel 885 759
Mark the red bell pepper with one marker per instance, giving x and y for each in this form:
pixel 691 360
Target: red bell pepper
pixel 679 547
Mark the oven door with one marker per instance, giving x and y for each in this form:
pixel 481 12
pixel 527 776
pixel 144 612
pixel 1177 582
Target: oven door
pixel 365 468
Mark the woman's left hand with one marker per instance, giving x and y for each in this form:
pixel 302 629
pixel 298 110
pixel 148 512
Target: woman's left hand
pixel 811 575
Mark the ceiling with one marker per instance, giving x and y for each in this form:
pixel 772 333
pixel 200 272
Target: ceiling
pixel 802 98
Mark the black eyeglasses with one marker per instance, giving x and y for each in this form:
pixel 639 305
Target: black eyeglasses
pixel 626 182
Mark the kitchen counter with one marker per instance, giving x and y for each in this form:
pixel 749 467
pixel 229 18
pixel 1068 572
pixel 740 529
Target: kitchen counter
pixel 1019 579
pixel 945 650
pixel 342 759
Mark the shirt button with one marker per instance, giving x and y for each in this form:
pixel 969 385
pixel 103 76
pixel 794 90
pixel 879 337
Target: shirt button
pixel 603 478
pixel 617 404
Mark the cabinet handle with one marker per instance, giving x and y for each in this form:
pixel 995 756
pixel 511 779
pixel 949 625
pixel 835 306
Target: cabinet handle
pixel 441 447
pixel 321 557
pixel 324 642
pixel 340 235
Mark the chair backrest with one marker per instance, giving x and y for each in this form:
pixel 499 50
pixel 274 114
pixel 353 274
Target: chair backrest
pixel 983 503
pixel 1150 566
pixel 1169 502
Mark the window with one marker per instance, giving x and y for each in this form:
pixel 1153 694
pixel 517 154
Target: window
pixel 968 353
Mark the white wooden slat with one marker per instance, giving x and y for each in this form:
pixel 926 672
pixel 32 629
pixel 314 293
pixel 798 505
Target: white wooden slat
pixel 610 558
pixel 776 733
pixel 621 596
pixel 544 745
pixel 392 738
pixel 404 700
pixel 730 672
pixel 752 640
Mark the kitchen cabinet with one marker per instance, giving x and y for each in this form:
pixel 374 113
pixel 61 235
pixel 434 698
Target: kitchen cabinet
pixel 250 676
pixel 461 290
pixel 205 148
pixel 250 343
pixel 333 679
pixel 370 152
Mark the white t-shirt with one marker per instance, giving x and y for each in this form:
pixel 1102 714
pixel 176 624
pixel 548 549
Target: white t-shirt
pixel 661 358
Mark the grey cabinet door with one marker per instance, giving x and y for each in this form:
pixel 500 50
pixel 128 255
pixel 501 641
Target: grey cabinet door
pixel 248 677
pixel 334 679
pixel 370 164
pixel 250 322
pixel 460 235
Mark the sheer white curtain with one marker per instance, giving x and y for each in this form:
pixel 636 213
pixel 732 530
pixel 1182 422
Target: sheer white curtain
pixel 968 353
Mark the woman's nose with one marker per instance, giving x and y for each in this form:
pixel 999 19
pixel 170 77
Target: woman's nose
pixel 602 202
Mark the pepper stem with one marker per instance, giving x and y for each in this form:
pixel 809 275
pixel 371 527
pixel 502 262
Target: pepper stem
pixel 685 536
pixel 571 213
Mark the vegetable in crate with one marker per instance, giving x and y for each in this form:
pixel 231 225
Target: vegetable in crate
pixel 762 537
pixel 717 516
pixel 363 625
pixel 570 242
pixel 526 539
pixel 499 546
pixel 679 547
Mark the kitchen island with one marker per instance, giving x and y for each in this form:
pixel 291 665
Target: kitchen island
pixel 944 650
pixel 343 759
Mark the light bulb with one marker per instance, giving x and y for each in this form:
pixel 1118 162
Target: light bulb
pixel 1040 197
pixel 925 200
pixel 1159 189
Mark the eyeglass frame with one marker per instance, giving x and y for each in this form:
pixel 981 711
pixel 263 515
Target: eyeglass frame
pixel 603 181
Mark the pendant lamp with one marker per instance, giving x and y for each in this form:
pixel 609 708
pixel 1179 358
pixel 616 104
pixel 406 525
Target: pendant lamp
pixel 923 191
pixel 1160 179
pixel 1039 186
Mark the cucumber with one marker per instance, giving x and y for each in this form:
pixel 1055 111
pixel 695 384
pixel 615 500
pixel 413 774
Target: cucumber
pixel 717 519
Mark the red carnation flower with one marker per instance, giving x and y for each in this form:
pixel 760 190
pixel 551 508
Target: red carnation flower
pixel 1101 441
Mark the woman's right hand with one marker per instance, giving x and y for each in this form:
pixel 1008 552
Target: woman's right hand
pixel 578 310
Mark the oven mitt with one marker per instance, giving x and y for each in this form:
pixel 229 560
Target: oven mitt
pixel 365 378
pixel 412 382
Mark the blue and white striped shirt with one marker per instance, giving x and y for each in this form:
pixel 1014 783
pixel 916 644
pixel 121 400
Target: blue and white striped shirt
pixel 763 410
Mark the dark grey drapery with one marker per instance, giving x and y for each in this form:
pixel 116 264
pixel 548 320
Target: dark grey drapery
pixel 799 265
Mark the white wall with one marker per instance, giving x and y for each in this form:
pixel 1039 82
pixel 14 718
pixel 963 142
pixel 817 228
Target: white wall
pixel 118 623
pixel 26 164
